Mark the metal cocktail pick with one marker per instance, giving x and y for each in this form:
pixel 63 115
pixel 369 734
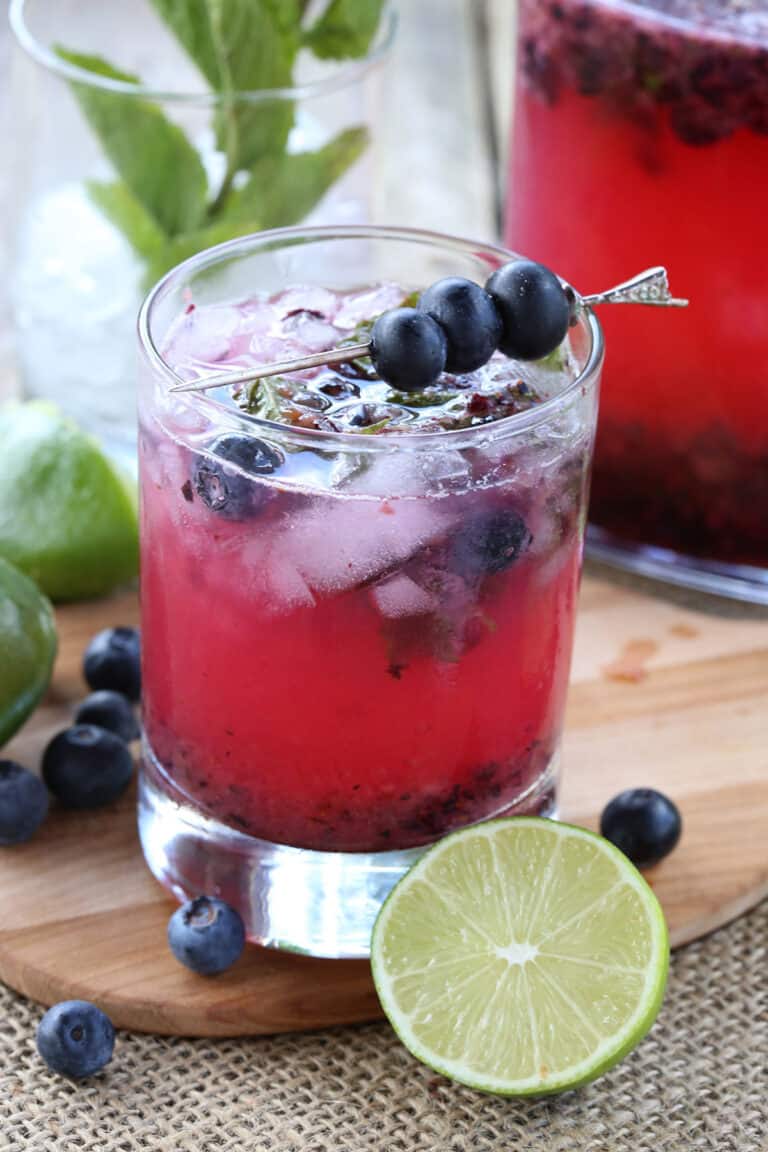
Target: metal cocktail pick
pixel 649 287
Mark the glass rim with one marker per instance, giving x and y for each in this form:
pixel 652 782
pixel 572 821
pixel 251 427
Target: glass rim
pixel 347 73
pixel 685 24
pixel 215 410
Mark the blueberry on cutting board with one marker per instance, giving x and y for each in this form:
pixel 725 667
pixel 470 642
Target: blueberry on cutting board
pixel 23 803
pixel 644 824
pixel 87 767
pixel 112 661
pixel 110 710
pixel 206 935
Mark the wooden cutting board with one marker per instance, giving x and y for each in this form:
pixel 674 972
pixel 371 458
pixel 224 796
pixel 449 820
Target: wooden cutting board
pixel 663 694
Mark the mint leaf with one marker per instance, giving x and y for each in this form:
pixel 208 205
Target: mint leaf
pixel 255 51
pixel 152 155
pixel 372 429
pixel 197 25
pixel 190 22
pixel 287 14
pixel 261 398
pixel 346 28
pixel 426 399
pixel 282 190
pixel 122 209
pixel 556 360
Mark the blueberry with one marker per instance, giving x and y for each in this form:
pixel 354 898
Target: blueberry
pixel 490 542
pixel 533 306
pixel 86 766
pixel 75 1038
pixel 408 349
pixel 113 660
pixel 644 824
pixel 206 935
pixel 226 490
pixel 469 319
pixel 110 710
pixel 23 803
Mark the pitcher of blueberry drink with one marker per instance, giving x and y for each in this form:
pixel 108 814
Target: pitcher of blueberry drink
pixel 653 115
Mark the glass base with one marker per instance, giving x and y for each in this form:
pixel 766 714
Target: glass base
pixel 317 903
pixel 742 582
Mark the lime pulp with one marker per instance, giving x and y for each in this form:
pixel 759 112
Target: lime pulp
pixel 521 956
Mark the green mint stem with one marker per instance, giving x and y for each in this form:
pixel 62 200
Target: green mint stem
pixel 217 205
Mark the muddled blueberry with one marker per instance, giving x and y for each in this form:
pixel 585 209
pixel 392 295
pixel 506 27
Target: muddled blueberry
pixel 533 306
pixel 112 660
pixel 75 1038
pixel 312 400
pixel 360 415
pixel 644 824
pixel 226 490
pixel 490 542
pixel 87 767
pixel 339 389
pixel 408 349
pixel 110 710
pixel 206 935
pixel 371 416
pixel 23 803
pixel 469 319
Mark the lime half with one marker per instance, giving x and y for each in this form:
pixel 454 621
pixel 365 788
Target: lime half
pixel 521 956
pixel 27 648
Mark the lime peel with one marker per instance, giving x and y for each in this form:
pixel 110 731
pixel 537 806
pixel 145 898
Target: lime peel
pixel 551 972
pixel 27 648
pixel 68 518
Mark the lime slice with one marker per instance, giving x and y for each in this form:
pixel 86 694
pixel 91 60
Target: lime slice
pixel 67 518
pixel 27 648
pixel 521 956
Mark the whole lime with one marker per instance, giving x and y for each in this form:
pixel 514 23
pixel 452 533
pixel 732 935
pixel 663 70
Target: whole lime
pixel 67 517
pixel 27 648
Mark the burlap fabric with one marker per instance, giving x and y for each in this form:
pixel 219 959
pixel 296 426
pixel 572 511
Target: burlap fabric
pixel 699 1083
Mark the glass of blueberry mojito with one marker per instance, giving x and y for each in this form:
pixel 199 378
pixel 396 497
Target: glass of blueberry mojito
pixel 652 116
pixel 358 580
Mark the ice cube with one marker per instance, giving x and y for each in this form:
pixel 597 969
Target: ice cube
pixel 444 469
pixel 306 298
pixel 343 543
pixel 310 332
pixel 264 568
pixel 364 305
pixel 286 587
pixel 386 474
pixel 204 335
pixel 398 595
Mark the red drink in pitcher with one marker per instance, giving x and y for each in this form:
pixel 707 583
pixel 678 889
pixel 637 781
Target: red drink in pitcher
pixel 648 124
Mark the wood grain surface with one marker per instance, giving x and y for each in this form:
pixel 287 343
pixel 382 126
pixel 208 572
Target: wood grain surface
pixel 662 695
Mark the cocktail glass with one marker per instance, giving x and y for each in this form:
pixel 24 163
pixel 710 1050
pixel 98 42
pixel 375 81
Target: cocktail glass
pixel 340 666
pixel 640 135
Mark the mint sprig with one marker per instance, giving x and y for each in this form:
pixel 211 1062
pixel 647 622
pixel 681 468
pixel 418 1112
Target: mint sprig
pixel 346 28
pixel 153 157
pixel 262 398
pixel 161 201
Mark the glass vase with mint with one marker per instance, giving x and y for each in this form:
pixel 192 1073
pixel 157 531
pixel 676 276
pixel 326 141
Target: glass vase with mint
pixel 147 132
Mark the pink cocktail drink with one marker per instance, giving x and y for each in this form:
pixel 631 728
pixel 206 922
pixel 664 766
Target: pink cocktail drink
pixel 357 619
pixel 648 119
